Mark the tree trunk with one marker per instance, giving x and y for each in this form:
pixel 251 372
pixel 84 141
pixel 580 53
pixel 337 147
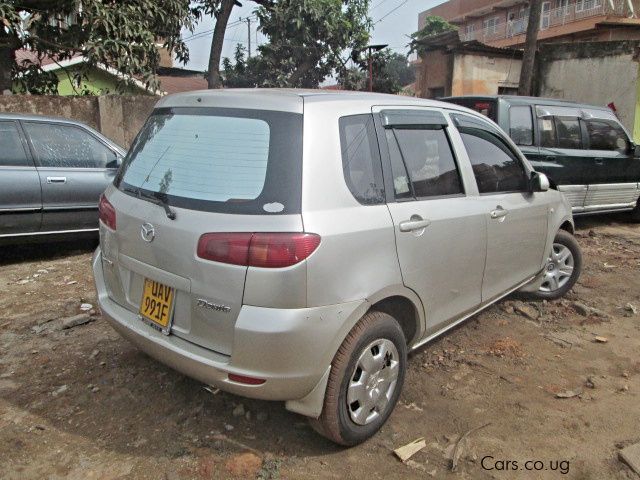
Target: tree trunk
pixel 7 60
pixel 530 47
pixel 213 79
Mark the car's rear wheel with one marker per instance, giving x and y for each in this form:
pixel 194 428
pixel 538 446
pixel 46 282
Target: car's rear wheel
pixel 562 269
pixel 367 374
pixel 634 215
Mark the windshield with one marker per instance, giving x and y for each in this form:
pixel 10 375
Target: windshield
pixel 224 160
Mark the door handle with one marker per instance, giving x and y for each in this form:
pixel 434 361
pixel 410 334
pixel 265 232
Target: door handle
pixel 499 212
pixel 56 179
pixel 415 223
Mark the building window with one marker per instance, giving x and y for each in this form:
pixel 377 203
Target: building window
pixel 507 90
pixel 491 25
pixel 436 92
pixel 545 15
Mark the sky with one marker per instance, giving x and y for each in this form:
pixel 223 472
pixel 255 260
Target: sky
pixel 395 19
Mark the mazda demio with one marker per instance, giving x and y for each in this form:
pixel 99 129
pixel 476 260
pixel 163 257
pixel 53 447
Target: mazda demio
pixel 295 245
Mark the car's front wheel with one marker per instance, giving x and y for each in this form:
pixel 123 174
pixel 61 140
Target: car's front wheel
pixel 562 269
pixel 366 378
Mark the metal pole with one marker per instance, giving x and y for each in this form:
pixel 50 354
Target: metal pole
pixel 370 72
pixel 249 35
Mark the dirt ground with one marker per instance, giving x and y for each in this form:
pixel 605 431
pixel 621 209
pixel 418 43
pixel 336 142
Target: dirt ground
pixel 82 403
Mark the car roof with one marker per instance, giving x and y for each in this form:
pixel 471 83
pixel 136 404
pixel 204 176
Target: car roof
pixel 526 100
pixel 39 118
pixel 285 99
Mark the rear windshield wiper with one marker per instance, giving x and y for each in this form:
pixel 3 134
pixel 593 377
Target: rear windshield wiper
pixel 158 198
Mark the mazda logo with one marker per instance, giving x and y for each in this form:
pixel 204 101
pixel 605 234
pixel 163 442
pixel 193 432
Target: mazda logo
pixel 147 232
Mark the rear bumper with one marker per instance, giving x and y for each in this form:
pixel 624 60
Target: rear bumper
pixel 291 349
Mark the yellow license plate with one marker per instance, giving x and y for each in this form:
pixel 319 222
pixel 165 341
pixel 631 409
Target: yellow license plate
pixel 157 303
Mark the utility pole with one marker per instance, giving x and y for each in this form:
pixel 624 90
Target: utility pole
pixel 370 49
pixel 530 46
pixel 248 19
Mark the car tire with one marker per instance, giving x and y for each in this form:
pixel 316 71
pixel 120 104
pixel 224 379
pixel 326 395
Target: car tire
pixel 376 343
pixel 562 242
pixel 634 215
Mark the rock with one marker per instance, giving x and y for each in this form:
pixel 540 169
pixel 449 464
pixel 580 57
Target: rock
pixel 95 389
pixel 625 374
pixel 76 320
pixel 599 339
pixel 94 354
pixel 581 308
pixel 527 311
pixel 228 427
pixel 624 388
pixel 60 390
pixel 630 307
pixel 85 307
pixel 238 411
pixel 244 465
pixel 569 393
pixel 590 383
pixel 631 456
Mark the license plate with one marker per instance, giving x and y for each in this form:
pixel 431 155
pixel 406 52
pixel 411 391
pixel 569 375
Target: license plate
pixel 156 306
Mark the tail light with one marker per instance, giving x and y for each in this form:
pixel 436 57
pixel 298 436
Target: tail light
pixel 107 212
pixel 266 250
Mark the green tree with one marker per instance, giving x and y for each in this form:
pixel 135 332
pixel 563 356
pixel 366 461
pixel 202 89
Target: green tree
pixel 390 71
pixel 307 39
pixel 244 73
pixel 433 25
pixel 221 10
pixel 121 34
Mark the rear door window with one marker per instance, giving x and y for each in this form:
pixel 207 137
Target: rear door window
pixel 607 135
pixel 521 125
pixel 361 158
pixel 12 153
pixel 547 128
pixel 226 160
pixel 67 146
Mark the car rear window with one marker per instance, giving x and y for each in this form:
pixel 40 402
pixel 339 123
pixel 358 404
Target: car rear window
pixel 223 160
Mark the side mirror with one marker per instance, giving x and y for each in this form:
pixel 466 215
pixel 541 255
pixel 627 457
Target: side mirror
pixel 539 182
pixel 116 162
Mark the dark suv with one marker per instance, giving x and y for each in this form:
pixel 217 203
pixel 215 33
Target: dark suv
pixel 583 149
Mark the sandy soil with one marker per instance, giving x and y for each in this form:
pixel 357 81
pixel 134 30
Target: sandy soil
pixel 82 403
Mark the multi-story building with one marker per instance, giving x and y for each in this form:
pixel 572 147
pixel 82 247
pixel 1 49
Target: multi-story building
pixel 503 23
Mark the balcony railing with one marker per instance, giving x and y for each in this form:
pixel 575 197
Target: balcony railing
pixel 550 18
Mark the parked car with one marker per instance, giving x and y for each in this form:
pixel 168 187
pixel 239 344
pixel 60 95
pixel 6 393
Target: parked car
pixel 583 149
pixel 294 246
pixel 52 172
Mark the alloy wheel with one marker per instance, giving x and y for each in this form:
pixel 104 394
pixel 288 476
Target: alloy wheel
pixel 558 269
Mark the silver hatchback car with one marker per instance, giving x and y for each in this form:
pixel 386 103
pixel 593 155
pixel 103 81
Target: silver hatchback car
pixel 295 245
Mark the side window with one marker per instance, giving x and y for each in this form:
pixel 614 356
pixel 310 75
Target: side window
pixel 495 166
pixel 361 159
pixel 606 135
pixel 12 153
pixel 521 125
pixel 569 133
pixel 67 146
pixel 422 163
pixel 547 129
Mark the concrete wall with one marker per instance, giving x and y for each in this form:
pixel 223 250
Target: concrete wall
pixel 594 73
pixel 117 117
pixel 434 71
pixel 475 74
